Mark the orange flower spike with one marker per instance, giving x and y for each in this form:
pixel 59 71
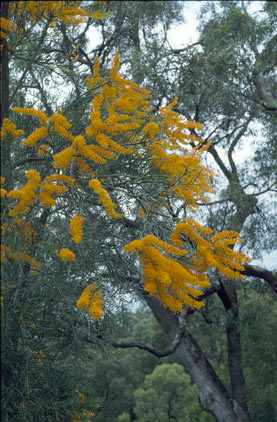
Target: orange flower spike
pixel 67 255
pixel 104 198
pixel 76 228
pixel 32 139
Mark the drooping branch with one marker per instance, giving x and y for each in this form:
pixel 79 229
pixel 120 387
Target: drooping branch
pixel 160 354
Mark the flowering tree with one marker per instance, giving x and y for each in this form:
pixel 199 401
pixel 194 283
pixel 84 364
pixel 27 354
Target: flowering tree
pixel 93 210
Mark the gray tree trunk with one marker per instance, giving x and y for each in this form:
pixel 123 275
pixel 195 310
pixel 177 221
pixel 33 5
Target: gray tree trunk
pixel 212 394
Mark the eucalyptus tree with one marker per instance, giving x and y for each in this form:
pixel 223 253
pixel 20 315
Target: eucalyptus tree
pixel 227 80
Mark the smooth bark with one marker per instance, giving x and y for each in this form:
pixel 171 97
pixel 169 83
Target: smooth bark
pixel 230 301
pixel 212 394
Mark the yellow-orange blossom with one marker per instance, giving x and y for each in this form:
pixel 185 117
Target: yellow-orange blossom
pixel 122 107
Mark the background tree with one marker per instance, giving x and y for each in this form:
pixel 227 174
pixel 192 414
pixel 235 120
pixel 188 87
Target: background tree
pixel 167 396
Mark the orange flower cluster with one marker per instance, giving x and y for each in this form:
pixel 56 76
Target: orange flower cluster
pixel 67 12
pixel 6 25
pixel 126 110
pixel 3 191
pixel 10 128
pixel 27 195
pixel 6 253
pixel 173 284
pixel 35 189
pixel 122 123
pixel 67 255
pixel 212 252
pixel 177 285
pixel 85 413
pixel 91 301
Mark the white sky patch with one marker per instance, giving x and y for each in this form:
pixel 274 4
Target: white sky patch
pixel 95 37
pixel 186 33
pixel 268 261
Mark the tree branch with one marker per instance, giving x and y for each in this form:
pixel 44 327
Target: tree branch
pixel 183 49
pixel 224 297
pixel 212 394
pixel 160 354
pixel 234 143
pixel 28 160
pixel 219 162
pixel 255 271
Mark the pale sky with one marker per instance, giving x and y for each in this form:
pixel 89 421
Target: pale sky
pixel 186 33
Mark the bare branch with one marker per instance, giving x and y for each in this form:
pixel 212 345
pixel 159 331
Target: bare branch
pixel 219 162
pixel 214 130
pixel 28 160
pixel 224 297
pixel 160 354
pixel 268 189
pixel 182 50
pixel 234 143
pixel 255 271
pixel 220 201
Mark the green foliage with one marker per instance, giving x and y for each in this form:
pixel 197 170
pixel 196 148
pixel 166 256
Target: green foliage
pixel 124 418
pixel 259 348
pixel 42 357
pixel 116 374
pixel 167 395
